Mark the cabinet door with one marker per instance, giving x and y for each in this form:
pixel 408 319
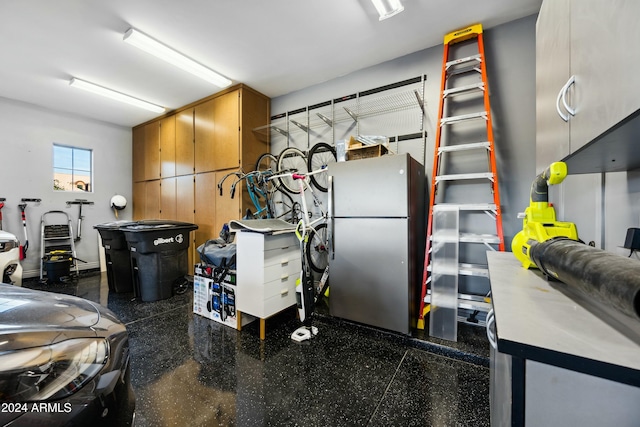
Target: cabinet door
pixel 168 147
pixel 168 200
pixel 152 151
pixel 553 38
pixel 204 136
pixel 226 119
pixel 139 200
pixel 184 142
pixel 604 42
pixel 205 190
pixel 184 211
pixel 227 208
pixel 152 200
pixel 138 154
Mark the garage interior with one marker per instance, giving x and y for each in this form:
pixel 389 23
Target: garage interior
pixel 548 327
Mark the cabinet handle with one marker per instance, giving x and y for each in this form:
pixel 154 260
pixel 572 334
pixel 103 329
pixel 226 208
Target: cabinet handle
pixel 284 277
pixel 284 262
pixel 562 95
pixel 570 110
pixel 284 291
pixel 563 116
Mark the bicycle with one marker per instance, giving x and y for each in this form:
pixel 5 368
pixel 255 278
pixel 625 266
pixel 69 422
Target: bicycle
pixel 319 157
pixel 307 294
pixel 262 192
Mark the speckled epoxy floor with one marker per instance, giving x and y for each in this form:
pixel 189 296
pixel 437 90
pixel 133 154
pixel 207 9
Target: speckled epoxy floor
pixel 188 370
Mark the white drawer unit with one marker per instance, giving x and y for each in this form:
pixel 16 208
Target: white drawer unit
pixel 267 269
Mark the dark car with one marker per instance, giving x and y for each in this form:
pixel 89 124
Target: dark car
pixel 63 361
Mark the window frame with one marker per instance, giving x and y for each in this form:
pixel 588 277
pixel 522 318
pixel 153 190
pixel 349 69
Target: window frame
pixel 76 171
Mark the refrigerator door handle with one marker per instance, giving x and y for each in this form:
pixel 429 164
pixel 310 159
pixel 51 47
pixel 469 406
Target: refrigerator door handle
pixel 330 224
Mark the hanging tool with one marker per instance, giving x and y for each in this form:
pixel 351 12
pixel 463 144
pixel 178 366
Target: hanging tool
pixel 464 83
pixel 23 216
pixel 80 217
pixel 2 200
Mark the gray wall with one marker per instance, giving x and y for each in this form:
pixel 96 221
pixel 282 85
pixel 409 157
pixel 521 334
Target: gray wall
pixel 26 141
pixel 510 56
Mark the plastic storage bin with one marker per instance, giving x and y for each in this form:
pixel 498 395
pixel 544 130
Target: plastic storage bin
pixel 159 256
pixel 116 255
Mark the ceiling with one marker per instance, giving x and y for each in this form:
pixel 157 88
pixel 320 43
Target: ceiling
pixel 274 46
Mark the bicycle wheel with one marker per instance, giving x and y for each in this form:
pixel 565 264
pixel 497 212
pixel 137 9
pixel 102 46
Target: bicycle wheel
pixel 318 248
pixel 291 160
pixel 320 156
pixel 267 162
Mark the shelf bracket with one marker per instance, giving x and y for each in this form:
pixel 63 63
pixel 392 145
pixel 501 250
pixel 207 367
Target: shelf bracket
pixel 325 119
pixel 420 101
pixel 300 125
pixel 280 131
pixel 351 113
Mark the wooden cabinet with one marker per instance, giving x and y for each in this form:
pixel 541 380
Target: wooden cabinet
pixel 168 147
pixel 226 136
pixel 185 142
pixel 146 200
pixel 585 71
pixel 168 201
pixel 204 136
pixel 179 159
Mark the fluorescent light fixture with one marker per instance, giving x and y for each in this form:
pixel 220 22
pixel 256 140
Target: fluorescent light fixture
pixel 149 45
pixel 387 8
pixel 100 90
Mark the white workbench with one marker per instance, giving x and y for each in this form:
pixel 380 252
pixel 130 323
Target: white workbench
pixel 560 359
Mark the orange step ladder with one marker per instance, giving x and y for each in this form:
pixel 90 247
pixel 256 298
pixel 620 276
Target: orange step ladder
pixel 459 195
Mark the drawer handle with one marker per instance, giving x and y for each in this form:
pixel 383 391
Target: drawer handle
pixel 284 262
pixel 284 277
pixel 284 291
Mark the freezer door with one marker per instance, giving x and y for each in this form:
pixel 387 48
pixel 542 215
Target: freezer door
pixel 376 187
pixel 369 275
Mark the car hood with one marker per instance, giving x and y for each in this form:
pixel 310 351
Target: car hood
pixel 4 236
pixel 29 317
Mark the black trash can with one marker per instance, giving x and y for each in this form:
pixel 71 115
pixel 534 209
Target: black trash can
pixel 116 255
pixel 159 256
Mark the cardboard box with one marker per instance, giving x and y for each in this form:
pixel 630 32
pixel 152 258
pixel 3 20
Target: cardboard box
pixel 217 301
pixel 357 150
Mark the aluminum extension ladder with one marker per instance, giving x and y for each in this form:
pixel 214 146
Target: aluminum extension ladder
pixel 458 231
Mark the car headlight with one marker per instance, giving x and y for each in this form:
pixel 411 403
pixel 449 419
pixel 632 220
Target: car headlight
pixel 50 372
pixel 7 245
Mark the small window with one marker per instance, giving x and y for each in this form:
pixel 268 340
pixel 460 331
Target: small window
pixel 72 168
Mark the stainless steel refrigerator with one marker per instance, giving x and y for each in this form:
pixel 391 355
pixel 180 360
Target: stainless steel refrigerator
pixel 378 230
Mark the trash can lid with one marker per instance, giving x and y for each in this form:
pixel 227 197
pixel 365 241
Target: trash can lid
pixel 156 225
pixel 114 225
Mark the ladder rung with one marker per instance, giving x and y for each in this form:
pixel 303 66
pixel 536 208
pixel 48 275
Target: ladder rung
pixel 463 89
pixel 464 60
pixel 467 206
pixel 462 176
pixel 464 147
pixel 447 237
pixel 463 118
pixel 464 269
pixel 467 304
pixel 479 238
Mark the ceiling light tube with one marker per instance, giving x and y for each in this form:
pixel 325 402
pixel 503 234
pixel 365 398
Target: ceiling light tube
pixel 387 8
pixel 149 45
pixel 100 90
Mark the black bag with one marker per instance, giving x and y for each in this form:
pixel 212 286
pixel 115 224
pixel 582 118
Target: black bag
pixel 213 252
